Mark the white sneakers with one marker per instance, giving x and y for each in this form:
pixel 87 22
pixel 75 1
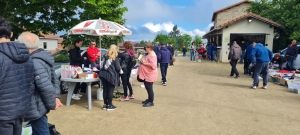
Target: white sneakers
pixel 199 60
pixel 76 96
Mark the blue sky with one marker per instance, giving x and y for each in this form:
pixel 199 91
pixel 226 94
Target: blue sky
pixel 147 18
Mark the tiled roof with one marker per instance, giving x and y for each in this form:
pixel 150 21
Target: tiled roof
pixel 228 7
pixel 252 16
pixel 255 16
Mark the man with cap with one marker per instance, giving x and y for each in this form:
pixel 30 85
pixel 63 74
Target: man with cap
pixel 164 57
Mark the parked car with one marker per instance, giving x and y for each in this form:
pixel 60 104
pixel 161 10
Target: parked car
pixel 296 64
pixel 62 58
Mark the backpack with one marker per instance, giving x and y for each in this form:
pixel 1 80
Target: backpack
pixel 132 63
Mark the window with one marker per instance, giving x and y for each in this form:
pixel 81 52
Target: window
pixel 45 45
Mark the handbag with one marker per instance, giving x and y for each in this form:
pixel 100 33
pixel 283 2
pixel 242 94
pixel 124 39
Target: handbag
pixel 140 80
pixel 53 130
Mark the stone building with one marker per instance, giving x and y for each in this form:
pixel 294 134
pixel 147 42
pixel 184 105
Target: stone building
pixel 234 23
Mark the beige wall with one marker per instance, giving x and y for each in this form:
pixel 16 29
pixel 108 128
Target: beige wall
pixel 244 26
pixel 231 14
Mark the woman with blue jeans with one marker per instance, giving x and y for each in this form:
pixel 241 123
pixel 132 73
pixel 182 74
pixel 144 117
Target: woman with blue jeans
pixel 192 51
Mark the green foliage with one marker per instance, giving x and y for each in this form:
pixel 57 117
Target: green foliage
pixel 62 57
pixel 162 38
pixel 174 35
pixel 52 16
pixel 143 42
pixel 285 12
pixel 197 40
pixel 175 32
pixel 184 40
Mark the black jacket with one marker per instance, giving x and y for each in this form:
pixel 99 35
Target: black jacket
pixel 75 58
pixel 280 60
pixel 171 49
pixel 125 60
pixel 111 74
pixel 16 80
pixel 46 85
pixel 292 51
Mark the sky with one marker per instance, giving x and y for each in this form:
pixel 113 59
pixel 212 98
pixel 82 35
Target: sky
pixel 147 18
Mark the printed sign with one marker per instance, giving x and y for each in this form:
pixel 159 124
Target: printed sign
pixel 83 31
pixel 108 31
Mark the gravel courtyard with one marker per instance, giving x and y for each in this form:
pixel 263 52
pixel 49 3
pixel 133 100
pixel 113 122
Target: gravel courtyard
pixel 199 99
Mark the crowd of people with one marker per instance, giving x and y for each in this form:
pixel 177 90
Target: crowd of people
pixel 258 59
pixel 209 52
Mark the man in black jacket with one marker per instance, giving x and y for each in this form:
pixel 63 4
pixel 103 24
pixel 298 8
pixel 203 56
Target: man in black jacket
pixel 16 82
pixel 46 94
pixel 291 55
pixel 171 49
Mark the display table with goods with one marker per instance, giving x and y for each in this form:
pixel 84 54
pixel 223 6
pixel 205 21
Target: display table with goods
pixel 74 75
pixel 286 78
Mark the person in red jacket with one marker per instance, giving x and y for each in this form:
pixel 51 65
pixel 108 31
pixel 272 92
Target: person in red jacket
pixel 201 51
pixel 93 53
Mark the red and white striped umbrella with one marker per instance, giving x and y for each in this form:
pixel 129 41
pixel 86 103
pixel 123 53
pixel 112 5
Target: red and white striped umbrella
pixel 99 28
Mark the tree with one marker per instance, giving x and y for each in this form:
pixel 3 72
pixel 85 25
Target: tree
pixel 197 40
pixel 175 33
pixel 52 16
pixel 184 40
pixel 161 38
pixel 143 42
pixel 285 12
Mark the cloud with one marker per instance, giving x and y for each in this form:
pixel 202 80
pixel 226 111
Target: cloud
pixel 149 30
pixel 166 26
pixel 147 18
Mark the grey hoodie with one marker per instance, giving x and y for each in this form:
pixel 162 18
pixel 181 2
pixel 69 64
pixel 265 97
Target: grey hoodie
pixel 235 52
pixel 46 85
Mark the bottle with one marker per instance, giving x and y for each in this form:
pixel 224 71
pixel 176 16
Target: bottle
pixel 278 79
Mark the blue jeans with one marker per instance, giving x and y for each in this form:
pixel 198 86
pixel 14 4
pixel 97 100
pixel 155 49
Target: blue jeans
pixel 213 55
pixel 242 57
pixel 193 58
pixel 163 70
pixel 290 62
pixel 40 126
pixel 261 68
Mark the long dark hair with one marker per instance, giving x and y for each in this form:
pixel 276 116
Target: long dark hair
pixel 74 44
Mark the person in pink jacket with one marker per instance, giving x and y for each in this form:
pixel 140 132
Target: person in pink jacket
pixel 147 73
pixel 93 53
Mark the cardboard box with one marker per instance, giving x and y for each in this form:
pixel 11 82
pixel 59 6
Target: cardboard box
pixel 283 82
pixel 85 76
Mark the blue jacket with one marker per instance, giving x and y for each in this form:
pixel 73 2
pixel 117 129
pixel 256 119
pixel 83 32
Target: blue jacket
pixel 16 80
pixel 248 52
pixel 46 85
pixel 261 53
pixel 164 55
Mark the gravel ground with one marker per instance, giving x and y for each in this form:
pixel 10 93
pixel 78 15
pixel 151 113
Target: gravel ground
pixel 200 98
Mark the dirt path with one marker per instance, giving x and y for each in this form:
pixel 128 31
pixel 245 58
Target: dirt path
pixel 200 98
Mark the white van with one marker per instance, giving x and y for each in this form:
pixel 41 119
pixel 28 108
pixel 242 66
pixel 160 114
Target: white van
pixel 297 61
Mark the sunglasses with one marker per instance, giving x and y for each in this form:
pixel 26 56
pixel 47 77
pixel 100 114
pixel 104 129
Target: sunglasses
pixel 93 44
